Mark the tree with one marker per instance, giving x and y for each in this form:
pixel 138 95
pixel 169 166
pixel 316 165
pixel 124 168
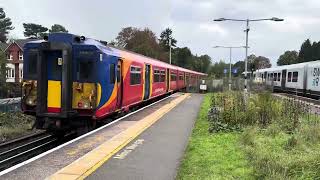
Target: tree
pixel 3 69
pixel 124 36
pixel 240 66
pixel 216 70
pixel 289 57
pixel 305 53
pixel 164 40
pixel 5 26
pixel 261 62
pixel 144 42
pixel 32 30
pixel 182 57
pixel 57 28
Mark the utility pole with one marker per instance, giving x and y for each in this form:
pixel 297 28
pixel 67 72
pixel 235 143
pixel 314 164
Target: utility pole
pixel 247 33
pixel 230 60
pixel 170 50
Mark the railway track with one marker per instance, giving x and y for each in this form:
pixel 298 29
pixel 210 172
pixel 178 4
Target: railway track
pixel 312 104
pixel 19 150
pixel 22 149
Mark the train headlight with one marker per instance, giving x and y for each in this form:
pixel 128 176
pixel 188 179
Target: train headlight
pixel 84 104
pixel 30 101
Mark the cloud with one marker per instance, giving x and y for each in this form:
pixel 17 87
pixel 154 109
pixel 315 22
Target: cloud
pixel 191 21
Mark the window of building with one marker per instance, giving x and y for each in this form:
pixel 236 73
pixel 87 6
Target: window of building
pixel 9 56
pixel 20 55
pixel 295 76
pixel 173 77
pixel 112 73
pixel 10 73
pixel 135 75
pixel 279 75
pixel 289 76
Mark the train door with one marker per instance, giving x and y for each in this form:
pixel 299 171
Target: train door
pixel 147 82
pixel 168 80
pixel 54 74
pixel 283 79
pixel 119 85
pixel 54 81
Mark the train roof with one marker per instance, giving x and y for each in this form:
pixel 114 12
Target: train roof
pixel 291 66
pixel 115 51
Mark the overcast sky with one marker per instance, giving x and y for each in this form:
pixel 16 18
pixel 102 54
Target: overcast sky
pixel 190 20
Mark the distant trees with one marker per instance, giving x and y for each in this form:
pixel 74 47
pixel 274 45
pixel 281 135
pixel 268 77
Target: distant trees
pixel 57 28
pixel 5 26
pixel 32 30
pixel 165 37
pixel 3 70
pixel 289 57
pixel 308 52
pixel 144 41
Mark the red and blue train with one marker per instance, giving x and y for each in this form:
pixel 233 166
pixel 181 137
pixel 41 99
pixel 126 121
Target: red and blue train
pixel 68 78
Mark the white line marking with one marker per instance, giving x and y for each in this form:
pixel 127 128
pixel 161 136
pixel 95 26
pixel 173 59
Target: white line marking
pixel 76 139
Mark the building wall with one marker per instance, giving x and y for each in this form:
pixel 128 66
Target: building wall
pixel 14 62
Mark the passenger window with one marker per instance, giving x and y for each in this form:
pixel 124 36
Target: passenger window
pixel 289 76
pixel 279 75
pixel 173 77
pixel 112 73
pixel 274 76
pixel 135 75
pixel 86 70
pixel 156 75
pixel 295 76
pixel 118 73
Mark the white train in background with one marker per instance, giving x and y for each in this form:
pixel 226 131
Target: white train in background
pixel 302 78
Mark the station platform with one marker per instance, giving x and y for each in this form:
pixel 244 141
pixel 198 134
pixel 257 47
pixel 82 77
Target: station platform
pixel 148 144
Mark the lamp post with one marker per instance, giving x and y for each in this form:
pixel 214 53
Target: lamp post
pixel 247 32
pixel 170 50
pixel 230 57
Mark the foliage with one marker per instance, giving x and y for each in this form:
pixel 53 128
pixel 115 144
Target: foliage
pixel 32 30
pixel 164 40
pixel 289 57
pixel 279 155
pixel 5 26
pixel 3 69
pixel 280 137
pixel 145 42
pixel 213 156
pixel 57 28
pixel 305 53
pixel 262 109
pixel 13 124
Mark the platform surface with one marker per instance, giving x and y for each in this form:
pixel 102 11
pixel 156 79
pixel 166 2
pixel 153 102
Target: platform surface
pixel 157 152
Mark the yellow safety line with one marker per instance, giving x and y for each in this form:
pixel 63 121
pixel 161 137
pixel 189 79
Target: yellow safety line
pixel 87 164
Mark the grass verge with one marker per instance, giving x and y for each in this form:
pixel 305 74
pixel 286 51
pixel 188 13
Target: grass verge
pixel 213 156
pixel 14 124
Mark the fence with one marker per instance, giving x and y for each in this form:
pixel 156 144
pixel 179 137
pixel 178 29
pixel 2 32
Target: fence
pixel 10 105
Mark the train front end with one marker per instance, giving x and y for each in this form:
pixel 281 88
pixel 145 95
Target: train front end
pixel 60 87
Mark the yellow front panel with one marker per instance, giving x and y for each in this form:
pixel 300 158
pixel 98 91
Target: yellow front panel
pixel 54 94
pixel 85 93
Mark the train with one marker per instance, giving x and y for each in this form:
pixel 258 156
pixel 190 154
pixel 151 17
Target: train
pixel 70 80
pixel 301 78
